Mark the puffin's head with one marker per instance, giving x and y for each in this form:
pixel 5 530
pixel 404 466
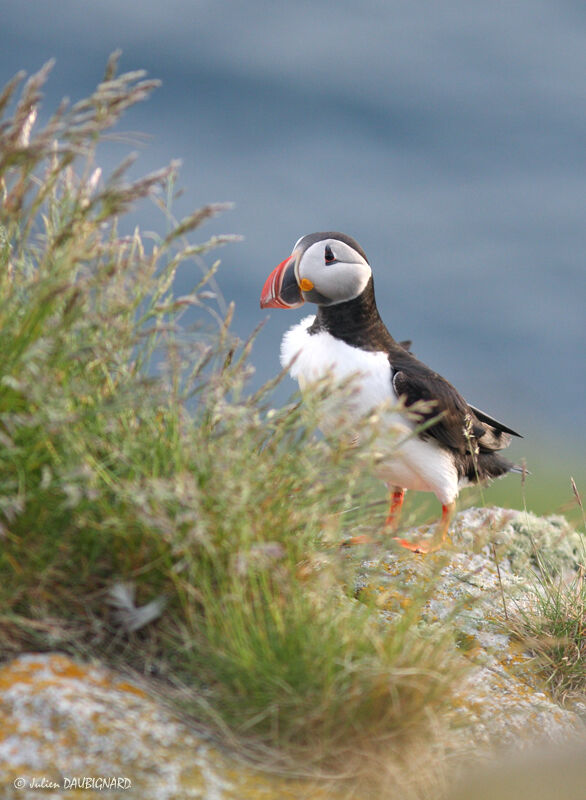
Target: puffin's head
pixel 324 268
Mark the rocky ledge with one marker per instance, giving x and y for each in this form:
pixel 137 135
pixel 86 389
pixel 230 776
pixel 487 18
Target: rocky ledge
pixel 479 582
pixel 68 726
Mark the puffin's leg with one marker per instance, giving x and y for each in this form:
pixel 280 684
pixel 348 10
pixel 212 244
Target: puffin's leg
pixel 440 534
pixel 394 515
pixel 392 520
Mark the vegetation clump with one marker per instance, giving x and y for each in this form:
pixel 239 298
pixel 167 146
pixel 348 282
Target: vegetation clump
pixel 152 512
pixel 551 620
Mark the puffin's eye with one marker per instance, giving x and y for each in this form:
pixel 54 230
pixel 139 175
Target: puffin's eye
pixel 329 256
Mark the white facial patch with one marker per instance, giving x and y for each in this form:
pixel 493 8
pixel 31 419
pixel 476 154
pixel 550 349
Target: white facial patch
pixel 344 278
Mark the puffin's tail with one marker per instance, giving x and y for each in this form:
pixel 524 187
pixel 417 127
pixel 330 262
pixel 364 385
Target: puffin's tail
pixel 521 469
pixel 485 466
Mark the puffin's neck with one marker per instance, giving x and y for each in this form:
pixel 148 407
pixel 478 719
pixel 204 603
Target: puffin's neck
pixel 356 322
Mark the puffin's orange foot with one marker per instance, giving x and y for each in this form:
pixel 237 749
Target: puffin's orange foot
pixel 354 540
pixel 426 546
pixel 439 537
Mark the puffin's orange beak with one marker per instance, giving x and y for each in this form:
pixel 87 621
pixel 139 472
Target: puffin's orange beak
pixel 281 289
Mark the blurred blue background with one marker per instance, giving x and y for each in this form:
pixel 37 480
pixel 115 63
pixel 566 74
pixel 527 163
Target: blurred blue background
pixel 449 139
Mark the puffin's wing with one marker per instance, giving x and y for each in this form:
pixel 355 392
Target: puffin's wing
pixel 495 435
pixel 455 425
pixel 494 423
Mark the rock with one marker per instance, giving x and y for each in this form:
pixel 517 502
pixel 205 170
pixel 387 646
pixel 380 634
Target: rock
pixel 64 724
pixel 507 706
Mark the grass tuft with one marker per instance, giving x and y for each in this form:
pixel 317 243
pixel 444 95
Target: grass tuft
pixel 551 622
pixel 554 631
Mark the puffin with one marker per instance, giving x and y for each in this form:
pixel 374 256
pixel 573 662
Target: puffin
pixel 444 442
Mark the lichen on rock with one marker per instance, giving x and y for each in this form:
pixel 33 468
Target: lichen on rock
pixel 64 724
pixel 475 584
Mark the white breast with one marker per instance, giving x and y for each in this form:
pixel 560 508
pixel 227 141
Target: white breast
pixel 314 357
pixel 408 461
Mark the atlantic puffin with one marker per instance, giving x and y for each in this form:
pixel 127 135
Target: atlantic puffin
pixel 449 445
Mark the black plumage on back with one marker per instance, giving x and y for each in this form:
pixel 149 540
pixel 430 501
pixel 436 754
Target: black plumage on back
pixel 471 435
